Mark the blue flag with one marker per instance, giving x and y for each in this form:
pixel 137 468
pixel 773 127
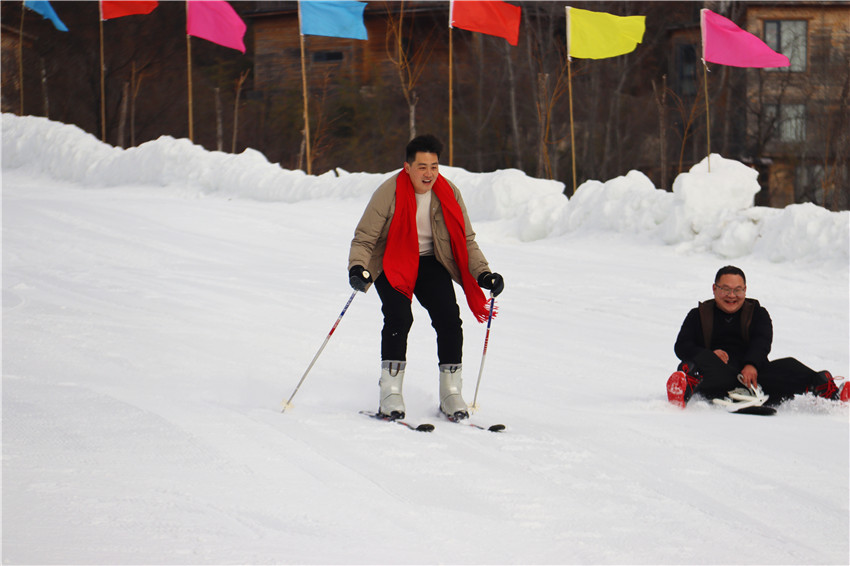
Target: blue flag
pixel 44 8
pixel 333 18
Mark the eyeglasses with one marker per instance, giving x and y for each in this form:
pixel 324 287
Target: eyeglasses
pixel 737 291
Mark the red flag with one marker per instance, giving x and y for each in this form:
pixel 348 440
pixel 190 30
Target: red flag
pixel 492 17
pixel 216 21
pixel 725 43
pixel 118 8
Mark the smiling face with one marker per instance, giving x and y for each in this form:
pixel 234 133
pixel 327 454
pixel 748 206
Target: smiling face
pixel 729 293
pixel 423 171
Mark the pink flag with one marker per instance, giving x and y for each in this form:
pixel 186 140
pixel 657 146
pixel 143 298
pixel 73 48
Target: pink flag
pixel 725 43
pixel 216 21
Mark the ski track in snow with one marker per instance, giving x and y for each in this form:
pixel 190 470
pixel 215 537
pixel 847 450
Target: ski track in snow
pixel 150 337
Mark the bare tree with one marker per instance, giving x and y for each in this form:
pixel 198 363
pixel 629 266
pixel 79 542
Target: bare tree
pixel 409 61
pixel 824 153
pixel 239 84
pixel 514 115
pixel 547 66
pixel 321 137
pixel 661 104
pixel 122 122
pixel 219 129
pixel 136 78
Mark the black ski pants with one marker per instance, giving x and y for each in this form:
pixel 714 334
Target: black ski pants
pixel 435 291
pixel 780 379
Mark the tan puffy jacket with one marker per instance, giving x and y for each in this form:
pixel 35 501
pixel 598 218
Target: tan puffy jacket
pixel 370 236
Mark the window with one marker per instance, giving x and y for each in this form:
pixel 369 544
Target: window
pixel 327 56
pixel 789 121
pixel 686 70
pixel 809 185
pixel 789 38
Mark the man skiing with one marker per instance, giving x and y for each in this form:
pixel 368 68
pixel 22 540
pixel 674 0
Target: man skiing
pixel 414 239
pixel 723 344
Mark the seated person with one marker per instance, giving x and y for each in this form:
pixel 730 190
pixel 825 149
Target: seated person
pixel 724 343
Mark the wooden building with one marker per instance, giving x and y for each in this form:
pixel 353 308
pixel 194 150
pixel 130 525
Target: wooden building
pixel 14 47
pixel 277 49
pixel 797 117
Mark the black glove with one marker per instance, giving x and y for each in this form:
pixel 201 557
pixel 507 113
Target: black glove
pixel 492 281
pixel 359 278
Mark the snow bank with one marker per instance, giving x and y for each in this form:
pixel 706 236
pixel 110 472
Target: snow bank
pixel 706 212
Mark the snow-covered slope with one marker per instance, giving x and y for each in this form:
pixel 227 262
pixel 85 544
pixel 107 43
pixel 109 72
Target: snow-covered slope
pixel 160 303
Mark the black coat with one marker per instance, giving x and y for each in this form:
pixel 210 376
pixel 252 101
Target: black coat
pixel 745 335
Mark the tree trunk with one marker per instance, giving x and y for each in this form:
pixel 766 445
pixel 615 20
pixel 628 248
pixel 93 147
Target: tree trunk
pixel 612 146
pixel 542 113
pixel 588 164
pixel 44 97
pixel 134 83
pixel 219 134
pixel 514 117
pixel 479 107
pixel 411 112
pixel 239 84
pixel 122 120
pixel 661 103
pixel 302 149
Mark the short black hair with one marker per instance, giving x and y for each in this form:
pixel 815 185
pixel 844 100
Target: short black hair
pixel 425 144
pixel 730 270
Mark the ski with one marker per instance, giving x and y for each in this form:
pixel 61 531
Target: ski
pixel 424 427
pixel 491 428
pixel 756 410
pixel 744 407
pixel 746 401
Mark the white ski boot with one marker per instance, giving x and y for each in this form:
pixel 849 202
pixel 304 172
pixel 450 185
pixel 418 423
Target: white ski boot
pixel 392 376
pixel 451 401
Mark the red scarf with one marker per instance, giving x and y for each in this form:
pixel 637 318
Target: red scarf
pixel 401 258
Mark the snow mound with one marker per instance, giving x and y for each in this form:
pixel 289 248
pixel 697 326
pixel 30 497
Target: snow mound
pixel 709 210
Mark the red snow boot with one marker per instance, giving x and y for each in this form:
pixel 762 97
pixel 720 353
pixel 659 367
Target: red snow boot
pixel 824 386
pixel 844 392
pixel 680 387
pixel 676 386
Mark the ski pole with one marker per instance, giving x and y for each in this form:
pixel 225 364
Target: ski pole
pixel 288 403
pixel 474 406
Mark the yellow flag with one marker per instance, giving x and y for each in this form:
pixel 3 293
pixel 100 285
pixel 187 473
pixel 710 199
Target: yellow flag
pixel 598 35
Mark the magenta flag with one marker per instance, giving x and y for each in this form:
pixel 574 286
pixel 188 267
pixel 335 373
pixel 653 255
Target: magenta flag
pixel 725 43
pixel 216 21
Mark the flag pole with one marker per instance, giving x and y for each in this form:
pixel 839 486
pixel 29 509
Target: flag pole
pixel 451 88
pixel 189 79
pixel 102 80
pixel 705 86
pixel 21 55
pixel 570 88
pixel 189 74
pixel 451 96
pixel 707 119
pixel 572 129
pixel 304 91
